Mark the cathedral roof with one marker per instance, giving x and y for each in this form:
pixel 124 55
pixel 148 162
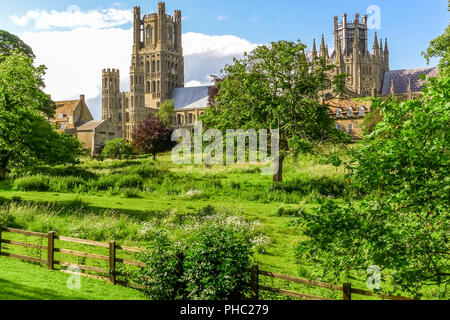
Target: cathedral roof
pixel 191 98
pixel 401 79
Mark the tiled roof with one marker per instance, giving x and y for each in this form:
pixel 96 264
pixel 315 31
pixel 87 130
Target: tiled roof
pixel 91 125
pixel 66 107
pixel 401 80
pixel 191 98
pixel 345 104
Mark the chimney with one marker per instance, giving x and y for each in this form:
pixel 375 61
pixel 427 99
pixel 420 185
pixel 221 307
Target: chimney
pixel 82 98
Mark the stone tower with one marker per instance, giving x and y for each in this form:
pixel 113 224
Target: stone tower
pixel 351 56
pixel 157 68
pixel 111 97
pixel 158 54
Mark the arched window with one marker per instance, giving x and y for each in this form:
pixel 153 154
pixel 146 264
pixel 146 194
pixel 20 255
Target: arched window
pixel 350 112
pixel 153 86
pixel 120 118
pixel 179 119
pixel 338 112
pixel 153 66
pixel 361 111
pixel 128 117
pixel 148 87
pixel 191 119
pixel 149 32
pixel 158 66
pixel 147 67
pixel 170 33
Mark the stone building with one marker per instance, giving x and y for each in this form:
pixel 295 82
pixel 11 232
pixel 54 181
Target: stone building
pixel 348 115
pixel 74 118
pixel 157 68
pixel 71 114
pixel 190 104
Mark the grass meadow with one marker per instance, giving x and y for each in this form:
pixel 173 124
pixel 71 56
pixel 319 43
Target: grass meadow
pixel 126 200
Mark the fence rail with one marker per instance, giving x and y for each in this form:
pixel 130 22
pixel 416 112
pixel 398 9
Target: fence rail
pixel 112 271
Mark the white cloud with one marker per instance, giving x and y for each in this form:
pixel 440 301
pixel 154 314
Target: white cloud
pixel 221 18
pixel 73 17
pixel 75 58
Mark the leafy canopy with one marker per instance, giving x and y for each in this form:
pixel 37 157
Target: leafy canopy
pixel 117 149
pixel 403 224
pixel 26 138
pixel 277 87
pixel 167 112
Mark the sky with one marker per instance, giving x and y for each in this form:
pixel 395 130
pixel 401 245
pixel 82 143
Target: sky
pixel 76 39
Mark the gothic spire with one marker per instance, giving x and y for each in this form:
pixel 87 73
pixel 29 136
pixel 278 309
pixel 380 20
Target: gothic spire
pixel 314 49
pixel 375 47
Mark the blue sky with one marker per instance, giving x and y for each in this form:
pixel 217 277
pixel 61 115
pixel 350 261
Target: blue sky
pixel 408 25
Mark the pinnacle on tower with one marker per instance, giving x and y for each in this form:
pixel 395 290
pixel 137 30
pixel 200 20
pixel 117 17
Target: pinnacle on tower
pixel 386 49
pixel 340 58
pixel 322 47
pixel 314 49
pixel 376 48
pixel 392 88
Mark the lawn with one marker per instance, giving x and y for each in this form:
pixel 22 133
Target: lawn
pixel 118 200
pixel 25 281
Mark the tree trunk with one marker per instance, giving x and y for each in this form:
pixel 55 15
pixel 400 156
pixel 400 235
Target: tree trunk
pixel 3 172
pixel 278 162
pixel 154 157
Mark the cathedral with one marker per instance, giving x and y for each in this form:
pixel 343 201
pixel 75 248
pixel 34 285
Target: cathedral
pixel 157 68
pixel 157 74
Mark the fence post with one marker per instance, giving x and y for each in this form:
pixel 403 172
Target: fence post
pixel 347 291
pixel 112 262
pixel 51 249
pixel 255 283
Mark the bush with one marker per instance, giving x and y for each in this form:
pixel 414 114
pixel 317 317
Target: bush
pixel 211 265
pixel 33 183
pixel 117 149
pixel 130 182
pixel 66 184
pixel 216 264
pixel 107 182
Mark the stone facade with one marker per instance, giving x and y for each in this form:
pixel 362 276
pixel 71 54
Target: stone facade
pixel 157 68
pixel 73 117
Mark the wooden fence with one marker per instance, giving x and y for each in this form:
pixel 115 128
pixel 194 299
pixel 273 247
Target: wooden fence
pixel 113 260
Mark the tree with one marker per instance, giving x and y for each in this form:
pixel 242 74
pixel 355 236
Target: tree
pixel 402 225
pixel 277 87
pixel 26 138
pixel 117 149
pixel 10 43
pixel 152 137
pixel 167 112
pixel 439 48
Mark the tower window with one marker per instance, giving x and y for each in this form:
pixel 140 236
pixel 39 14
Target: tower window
pixel 149 32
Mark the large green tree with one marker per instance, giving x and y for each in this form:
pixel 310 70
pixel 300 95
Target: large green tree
pixel 403 224
pixel 440 48
pixel 166 112
pixel 10 43
pixel 26 138
pixel 277 87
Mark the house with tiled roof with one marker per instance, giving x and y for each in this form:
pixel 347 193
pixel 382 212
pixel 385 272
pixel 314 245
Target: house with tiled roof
pixel 73 117
pixel 349 114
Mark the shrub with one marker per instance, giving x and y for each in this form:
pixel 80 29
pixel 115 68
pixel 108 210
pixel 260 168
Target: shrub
pixel 117 149
pixel 236 185
pixel 66 184
pixel 131 182
pixel 32 183
pixel 107 182
pixel 211 265
pixel 163 274
pixel 216 264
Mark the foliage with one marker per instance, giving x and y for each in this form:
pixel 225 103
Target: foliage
pixel 440 48
pixel 277 87
pixel 166 112
pixel 216 264
pixel 131 181
pixel 10 44
pixel 117 149
pixel 153 137
pixel 371 121
pixel 26 138
pixel 211 264
pixel 403 227
pixel 163 274
pixel 32 183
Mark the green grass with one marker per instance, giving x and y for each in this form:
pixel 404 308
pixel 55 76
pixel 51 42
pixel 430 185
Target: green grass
pixel 25 281
pixel 116 199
